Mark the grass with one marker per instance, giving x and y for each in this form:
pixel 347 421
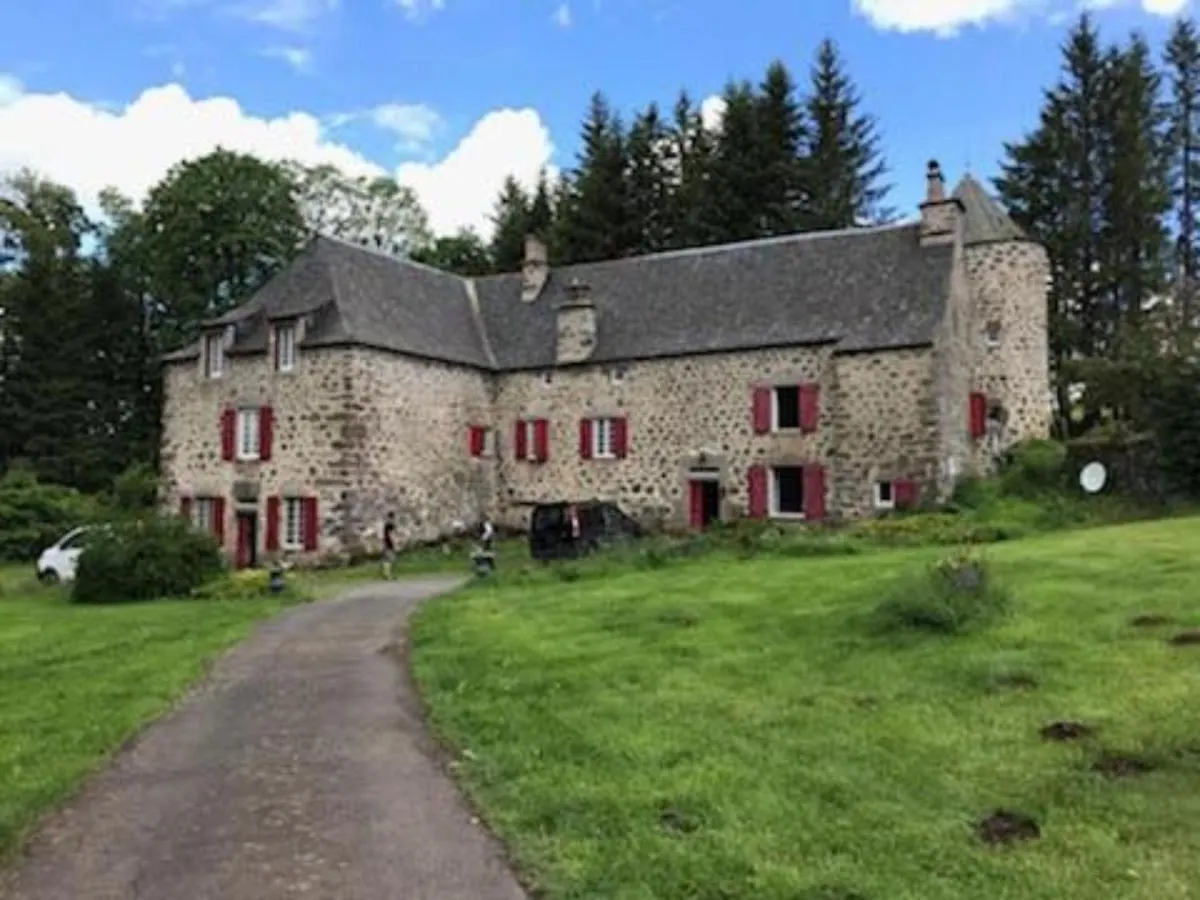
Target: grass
pixel 78 681
pixel 729 728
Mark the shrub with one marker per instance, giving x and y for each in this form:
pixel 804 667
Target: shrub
pixel 953 595
pixel 33 515
pixel 1034 468
pixel 144 559
pixel 135 490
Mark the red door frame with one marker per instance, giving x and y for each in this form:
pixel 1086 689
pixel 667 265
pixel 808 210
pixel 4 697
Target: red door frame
pixel 245 538
pixel 696 488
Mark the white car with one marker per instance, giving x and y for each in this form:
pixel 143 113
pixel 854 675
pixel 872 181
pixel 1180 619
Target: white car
pixel 58 561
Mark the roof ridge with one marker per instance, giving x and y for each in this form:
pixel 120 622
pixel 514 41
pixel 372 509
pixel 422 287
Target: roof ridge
pixel 391 257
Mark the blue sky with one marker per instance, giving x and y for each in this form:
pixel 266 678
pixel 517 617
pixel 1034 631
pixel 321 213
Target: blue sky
pixel 417 86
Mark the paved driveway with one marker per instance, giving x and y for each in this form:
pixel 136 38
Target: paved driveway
pixel 300 769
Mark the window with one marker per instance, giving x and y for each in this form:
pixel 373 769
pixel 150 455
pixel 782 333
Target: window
pixel 248 446
pixel 293 523
pixel 785 408
pixel 285 347
pixel 204 513
pixel 547 378
pixel 884 495
pixel 481 440
pixel 787 491
pixel 602 439
pixel 617 376
pixel 214 355
pixel 527 439
pixel 991 334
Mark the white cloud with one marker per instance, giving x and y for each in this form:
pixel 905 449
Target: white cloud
pixel 298 58
pixel 289 15
pixel 414 124
pixel 89 148
pixel 10 89
pixel 414 9
pixel 562 15
pixel 712 111
pixel 947 17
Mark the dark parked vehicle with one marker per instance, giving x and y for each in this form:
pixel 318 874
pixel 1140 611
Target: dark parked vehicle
pixel 600 524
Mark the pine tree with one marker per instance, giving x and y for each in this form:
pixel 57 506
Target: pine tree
pixel 845 167
pixel 781 135
pixel 649 182
pixel 511 218
pixel 1183 76
pixel 736 201
pixel 594 223
pixel 689 166
pixel 541 209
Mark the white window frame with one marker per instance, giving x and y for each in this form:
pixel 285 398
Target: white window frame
pixel 530 426
pixel 248 434
pixel 285 340
pixel 773 491
pixel 204 513
pixel 489 442
pixel 882 502
pixel 603 433
pixel 775 389
pixel 990 341
pixel 213 350
pixel 291 528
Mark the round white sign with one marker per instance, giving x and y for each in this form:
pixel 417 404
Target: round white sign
pixel 1093 477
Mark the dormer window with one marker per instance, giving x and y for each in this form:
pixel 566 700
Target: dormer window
pixel 214 355
pixel 285 346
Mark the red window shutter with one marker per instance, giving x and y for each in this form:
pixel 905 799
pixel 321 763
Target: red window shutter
pixel 904 493
pixel 520 446
pixel 620 437
pixel 185 507
pixel 541 439
pixel 228 433
pixel 272 524
pixel 978 415
pixel 695 504
pixel 756 489
pixel 218 522
pixel 266 432
pixel 311 523
pixel 585 438
pixel 761 410
pixel 810 407
pixel 814 493
pixel 475 440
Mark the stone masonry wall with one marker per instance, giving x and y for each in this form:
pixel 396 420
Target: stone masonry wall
pixel 679 409
pixel 363 431
pixel 954 365
pixel 1009 287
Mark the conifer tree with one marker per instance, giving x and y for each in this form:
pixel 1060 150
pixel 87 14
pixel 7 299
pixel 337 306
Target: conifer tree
pixel 781 135
pixel 1183 79
pixel 649 182
pixel 511 220
pixel 735 202
pixel 844 165
pixel 689 164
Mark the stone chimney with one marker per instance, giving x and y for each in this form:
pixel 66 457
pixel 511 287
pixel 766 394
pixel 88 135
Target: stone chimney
pixel 535 269
pixel 576 325
pixel 941 215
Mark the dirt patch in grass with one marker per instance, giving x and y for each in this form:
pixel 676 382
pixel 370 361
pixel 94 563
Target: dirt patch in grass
pixel 1189 638
pixel 1151 620
pixel 1067 731
pixel 677 821
pixel 1119 766
pixel 1007 827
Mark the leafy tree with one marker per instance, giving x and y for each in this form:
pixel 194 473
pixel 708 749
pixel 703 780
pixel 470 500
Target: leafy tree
pixel 374 212
pixel 844 163
pixel 215 230
pixel 463 254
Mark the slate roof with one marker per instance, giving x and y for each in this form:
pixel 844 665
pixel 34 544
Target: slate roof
pixel 858 289
pixel 984 219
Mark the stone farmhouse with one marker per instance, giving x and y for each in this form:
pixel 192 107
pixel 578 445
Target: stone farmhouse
pixel 806 377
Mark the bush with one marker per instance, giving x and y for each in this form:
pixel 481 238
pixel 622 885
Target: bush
pixel 34 515
pixel 145 559
pixel 953 595
pixel 1033 469
pixel 135 490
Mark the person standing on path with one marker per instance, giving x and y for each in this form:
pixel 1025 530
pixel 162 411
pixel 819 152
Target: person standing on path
pixel 389 544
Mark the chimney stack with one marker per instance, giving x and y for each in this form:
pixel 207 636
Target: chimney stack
pixel 576 325
pixel 941 216
pixel 535 269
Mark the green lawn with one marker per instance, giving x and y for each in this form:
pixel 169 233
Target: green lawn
pixel 734 729
pixel 77 681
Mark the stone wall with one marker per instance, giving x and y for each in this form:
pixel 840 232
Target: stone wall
pixel 1009 289
pixel 363 431
pixel 698 411
pixel 954 368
